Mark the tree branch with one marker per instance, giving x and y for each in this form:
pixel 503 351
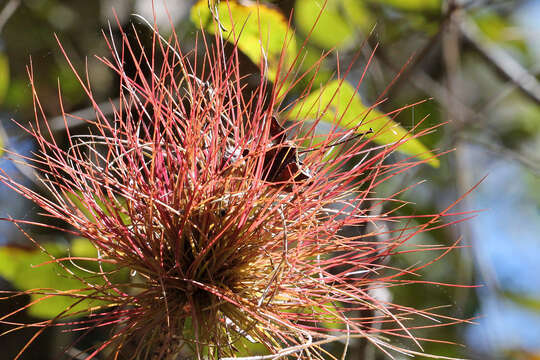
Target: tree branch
pixel 7 11
pixel 504 63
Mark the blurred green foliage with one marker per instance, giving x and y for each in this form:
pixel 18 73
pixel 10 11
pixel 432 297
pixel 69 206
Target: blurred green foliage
pixel 4 76
pixel 38 269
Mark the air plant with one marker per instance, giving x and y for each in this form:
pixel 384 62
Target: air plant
pixel 234 224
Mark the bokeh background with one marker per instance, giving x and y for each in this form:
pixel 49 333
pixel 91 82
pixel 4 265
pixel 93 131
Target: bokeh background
pixel 477 64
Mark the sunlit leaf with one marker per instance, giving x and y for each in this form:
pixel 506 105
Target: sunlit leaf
pixel 358 14
pixel 4 76
pixel 331 104
pixel 81 247
pixel 332 25
pixel 262 32
pixel 20 267
pixel 4 85
pixel 413 5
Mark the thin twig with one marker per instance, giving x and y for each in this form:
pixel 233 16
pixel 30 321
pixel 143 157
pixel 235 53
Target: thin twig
pixel 475 119
pixel 504 63
pixel 531 164
pixel 7 11
pixel 426 49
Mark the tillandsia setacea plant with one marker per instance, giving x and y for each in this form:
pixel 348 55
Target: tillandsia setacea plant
pixel 232 215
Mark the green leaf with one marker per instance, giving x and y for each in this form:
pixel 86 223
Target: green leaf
pixel 331 29
pixel 500 30
pixel 19 266
pixel 333 25
pixel 4 86
pixel 358 14
pixel 262 32
pixel 413 5
pixel 331 104
pixel 81 247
